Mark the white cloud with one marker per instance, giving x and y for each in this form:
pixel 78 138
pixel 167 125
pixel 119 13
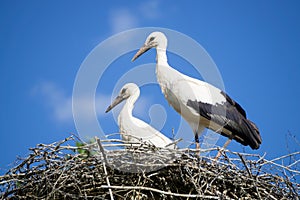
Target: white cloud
pixel 56 99
pixel 122 19
pixel 150 9
pixel 60 103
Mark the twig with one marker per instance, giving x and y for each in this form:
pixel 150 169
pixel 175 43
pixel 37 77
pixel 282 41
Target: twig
pixel 60 171
pixel 104 165
pixel 160 191
pixel 243 161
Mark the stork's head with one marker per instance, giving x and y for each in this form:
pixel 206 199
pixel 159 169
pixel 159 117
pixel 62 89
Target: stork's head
pixel 154 40
pixel 128 90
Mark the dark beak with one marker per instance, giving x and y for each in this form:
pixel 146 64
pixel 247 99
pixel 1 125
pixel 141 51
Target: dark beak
pixel 117 100
pixel 142 50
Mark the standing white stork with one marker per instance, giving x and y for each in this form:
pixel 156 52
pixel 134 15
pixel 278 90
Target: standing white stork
pixel 133 129
pixel 202 105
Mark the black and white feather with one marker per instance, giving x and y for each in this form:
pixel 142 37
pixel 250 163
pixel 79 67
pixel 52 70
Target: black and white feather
pixel 231 118
pixel 201 104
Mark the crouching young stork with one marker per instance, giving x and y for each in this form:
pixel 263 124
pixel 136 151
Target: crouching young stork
pixel 133 129
pixel 202 105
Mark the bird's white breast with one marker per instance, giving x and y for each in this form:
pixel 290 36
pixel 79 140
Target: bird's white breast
pixel 178 89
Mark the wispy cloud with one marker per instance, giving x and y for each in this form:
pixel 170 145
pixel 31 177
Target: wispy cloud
pixel 56 99
pixel 122 19
pixel 60 104
pixel 150 9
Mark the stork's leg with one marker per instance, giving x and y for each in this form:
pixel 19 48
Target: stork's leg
pixel 197 141
pixel 225 145
pixel 198 130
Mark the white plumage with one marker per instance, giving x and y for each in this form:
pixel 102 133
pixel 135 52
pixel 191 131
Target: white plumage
pixel 201 104
pixel 133 129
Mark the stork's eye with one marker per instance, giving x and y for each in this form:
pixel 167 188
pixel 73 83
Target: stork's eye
pixel 123 91
pixel 151 39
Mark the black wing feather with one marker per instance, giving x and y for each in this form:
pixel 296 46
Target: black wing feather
pixel 234 104
pixel 231 116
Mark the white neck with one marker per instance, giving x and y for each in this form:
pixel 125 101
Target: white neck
pixel 161 56
pixel 128 107
pixel 166 75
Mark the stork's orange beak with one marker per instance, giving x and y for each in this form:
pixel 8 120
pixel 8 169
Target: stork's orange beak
pixel 141 51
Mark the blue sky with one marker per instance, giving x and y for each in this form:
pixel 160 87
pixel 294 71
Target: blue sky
pixel 255 45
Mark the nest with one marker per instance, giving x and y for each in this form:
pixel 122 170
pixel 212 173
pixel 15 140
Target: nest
pixel 142 171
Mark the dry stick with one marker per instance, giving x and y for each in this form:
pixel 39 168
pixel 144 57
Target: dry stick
pixel 268 185
pixel 104 166
pixel 250 174
pixel 294 163
pixel 174 142
pixel 159 191
pixel 284 156
pixel 225 145
pixel 281 166
pixel 244 162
